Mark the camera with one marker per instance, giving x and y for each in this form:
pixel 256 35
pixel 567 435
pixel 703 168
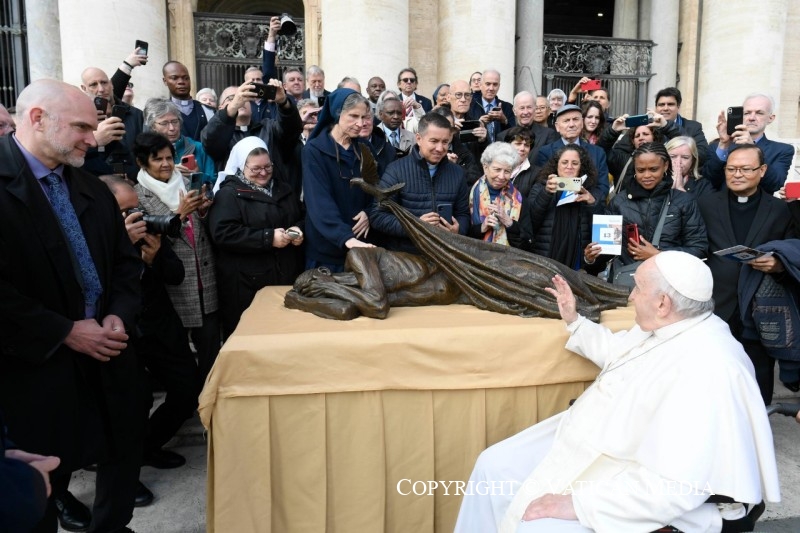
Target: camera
pixel 169 225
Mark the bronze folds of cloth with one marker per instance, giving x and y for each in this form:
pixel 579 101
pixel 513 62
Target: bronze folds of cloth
pixel 452 269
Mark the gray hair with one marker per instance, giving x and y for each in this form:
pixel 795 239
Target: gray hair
pixel 347 79
pixel 290 71
pixel 306 102
pixel 557 92
pixel 491 71
pixel 385 95
pixel 684 140
pixel 681 305
pixel 314 69
pixel 762 95
pixel 155 108
pixel 207 90
pixel 502 153
pixel 523 94
pixel 352 101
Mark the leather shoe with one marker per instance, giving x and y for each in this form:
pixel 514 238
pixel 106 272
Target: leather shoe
pixel 72 514
pixel 144 496
pixel 163 459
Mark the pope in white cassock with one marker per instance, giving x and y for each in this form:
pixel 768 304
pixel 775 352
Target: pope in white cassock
pixel 674 416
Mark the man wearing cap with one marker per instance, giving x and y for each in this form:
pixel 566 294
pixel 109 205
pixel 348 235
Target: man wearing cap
pixel 643 447
pixel 569 123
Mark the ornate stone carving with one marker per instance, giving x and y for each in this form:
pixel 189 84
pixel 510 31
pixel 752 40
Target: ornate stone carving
pixel 570 55
pixel 241 38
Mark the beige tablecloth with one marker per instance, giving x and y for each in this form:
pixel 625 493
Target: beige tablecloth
pixel 312 422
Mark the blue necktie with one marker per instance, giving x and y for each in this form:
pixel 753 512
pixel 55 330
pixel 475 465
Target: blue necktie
pixel 394 140
pixel 490 126
pixel 72 229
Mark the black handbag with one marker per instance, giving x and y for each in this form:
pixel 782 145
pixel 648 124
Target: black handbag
pixel 622 274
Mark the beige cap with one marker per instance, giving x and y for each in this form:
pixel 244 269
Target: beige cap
pixel 686 274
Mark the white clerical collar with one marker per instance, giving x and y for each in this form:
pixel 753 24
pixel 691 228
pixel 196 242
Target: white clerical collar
pixel 673 330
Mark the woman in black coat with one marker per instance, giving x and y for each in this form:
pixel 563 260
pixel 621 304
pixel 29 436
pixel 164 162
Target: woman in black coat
pixel 256 224
pixel 641 204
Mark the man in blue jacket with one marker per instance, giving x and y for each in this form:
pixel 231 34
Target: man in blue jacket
pixel 433 186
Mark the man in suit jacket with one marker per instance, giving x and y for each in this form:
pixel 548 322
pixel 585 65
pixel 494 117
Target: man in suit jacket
pixel 758 114
pixel 524 107
pixel 68 384
pixel 315 77
pixel 569 123
pixel 483 107
pixel 668 105
pixel 407 82
pixel 744 214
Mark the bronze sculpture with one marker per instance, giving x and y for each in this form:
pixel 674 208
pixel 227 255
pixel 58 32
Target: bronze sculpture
pixel 452 269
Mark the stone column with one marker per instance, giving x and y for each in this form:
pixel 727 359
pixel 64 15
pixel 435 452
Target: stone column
pixel 689 37
pixel 181 35
pixel 645 6
pixel 87 43
pixel 787 120
pixel 664 16
pixel 741 51
pixel 313 26
pixel 423 46
pixel 44 44
pixel 530 46
pixel 477 35
pixel 626 19
pixel 364 38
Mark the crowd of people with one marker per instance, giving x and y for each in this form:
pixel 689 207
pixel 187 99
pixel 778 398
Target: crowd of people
pixel 204 200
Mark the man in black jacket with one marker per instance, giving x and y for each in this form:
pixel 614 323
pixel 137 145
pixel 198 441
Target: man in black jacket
pixel 496 114
pixel 524 107
pixel 179 83
pixel 434 186
pixel 668 105
pixel 742 213
pixel 281 133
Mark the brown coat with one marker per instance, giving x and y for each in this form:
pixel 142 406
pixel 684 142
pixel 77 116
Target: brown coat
pixel 198 261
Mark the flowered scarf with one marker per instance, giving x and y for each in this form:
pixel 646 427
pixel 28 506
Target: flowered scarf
pixel 480 199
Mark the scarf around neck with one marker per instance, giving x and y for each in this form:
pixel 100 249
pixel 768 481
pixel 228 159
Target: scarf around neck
pixel 169 192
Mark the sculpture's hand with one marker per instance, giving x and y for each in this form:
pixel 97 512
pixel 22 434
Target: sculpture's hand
pixel 564 298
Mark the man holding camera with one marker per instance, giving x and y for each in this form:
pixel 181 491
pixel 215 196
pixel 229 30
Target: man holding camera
pixel 70 293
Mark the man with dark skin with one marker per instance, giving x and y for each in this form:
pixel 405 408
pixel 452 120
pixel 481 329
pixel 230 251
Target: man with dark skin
pixel 391 116
pixel 179 83
pixel 375 86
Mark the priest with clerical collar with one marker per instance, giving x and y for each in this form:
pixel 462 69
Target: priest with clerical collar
pixel 674 416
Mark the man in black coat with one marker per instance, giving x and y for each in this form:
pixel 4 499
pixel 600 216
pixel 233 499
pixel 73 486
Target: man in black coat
pixel 177 80
pixel 407 82
pixel 742 213
pixel 496 114
pixel 524 107
pixel 69 292
pixel 668 105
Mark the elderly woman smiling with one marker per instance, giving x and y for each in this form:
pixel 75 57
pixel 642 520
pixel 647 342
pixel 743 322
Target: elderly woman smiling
pixel 162 116
pixel 256 224
pixel 494 202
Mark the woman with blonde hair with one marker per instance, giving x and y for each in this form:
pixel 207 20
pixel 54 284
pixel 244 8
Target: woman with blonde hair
pixel 686 166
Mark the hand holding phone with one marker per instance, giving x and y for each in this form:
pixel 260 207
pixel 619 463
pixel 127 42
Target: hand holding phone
pixel 632 232
pixel 591 85
pixel 293 234
pixel 792 190
pixel 735 117
pixel 445 211
pixel 265 92
pixel 118 111
pixel 101 104
pixel 634 121
pixel 195 181
pixel 142 46
pixel 189 162
pixel 568 184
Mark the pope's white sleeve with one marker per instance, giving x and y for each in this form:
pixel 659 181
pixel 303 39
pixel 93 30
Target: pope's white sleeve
pixel 590 340
pixel 636 499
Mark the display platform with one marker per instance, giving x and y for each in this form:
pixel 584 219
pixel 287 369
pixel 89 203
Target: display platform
pixel 312 423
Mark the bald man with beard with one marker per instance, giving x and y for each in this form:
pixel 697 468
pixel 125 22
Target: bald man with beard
pixel 68 296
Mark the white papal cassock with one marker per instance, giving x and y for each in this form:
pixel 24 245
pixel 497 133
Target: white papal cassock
pixel 674 415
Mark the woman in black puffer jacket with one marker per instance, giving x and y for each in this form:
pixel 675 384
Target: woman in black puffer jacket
pixel 641 204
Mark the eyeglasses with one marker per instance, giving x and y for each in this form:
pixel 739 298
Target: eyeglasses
pixel 166 123
pixel 260 170
pixel 409 80
pixel 130 85
pixel 461 96
pixel 746 171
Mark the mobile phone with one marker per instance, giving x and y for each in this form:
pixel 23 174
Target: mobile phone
pixel 195 181
pixel 632 232
pixel 265 92
pixel 321 101
pixel 467 125
pixel 100 103
pixel 591 85
pixel 497 108
pixel 568 184
pixel 189 162
pixel 118 111
pixel 735 116
pixel 446 212
pixel 792 189
pixel 293 234
pixel 637 120
pixel 142 46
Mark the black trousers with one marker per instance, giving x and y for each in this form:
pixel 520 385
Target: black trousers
pixel 207 341
pixel 763 363
pixel 167 357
